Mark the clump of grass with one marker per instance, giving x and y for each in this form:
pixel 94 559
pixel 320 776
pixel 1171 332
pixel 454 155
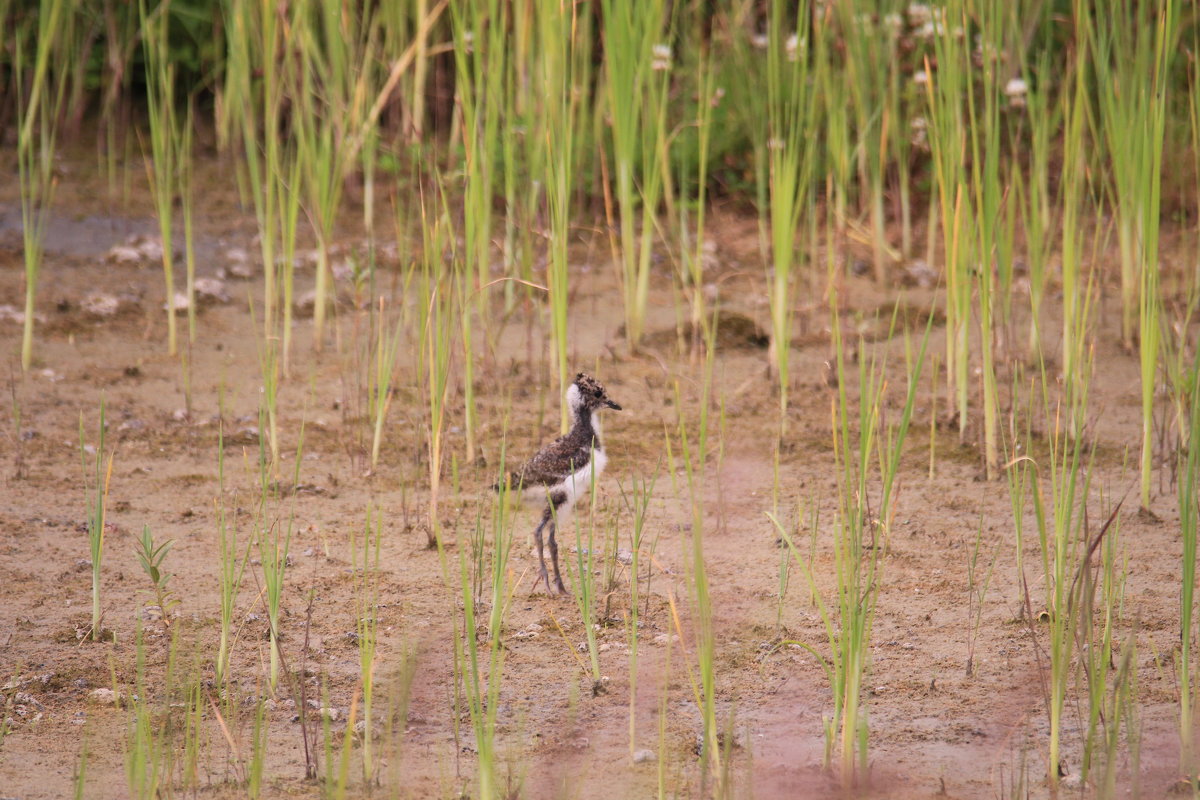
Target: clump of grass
pixel 694 452
pixel 789 153
pixel 1136 43
pixel 436 320
pixel 165 144
pixel 1060 521
pixel 328 37
pixel 693 253
pixel 184 146
pixel 273 538
pixel 166 723
pixel 638 502
pixel 1110 682
pixel 871 55
pixel 367 628
pixel 1034 198
pixel 561 72
pixel 481 668
pixel 950 137
pixel 637 64
pixel 859 545
pixel 260 734
pixel 977 589
pixel 480 56
pixel 147 746
pixel 193 727
pixel 381 377
pixel 584 582
pixel 1073 185
pixel 989 240
pixel 37 135
pixel 259 50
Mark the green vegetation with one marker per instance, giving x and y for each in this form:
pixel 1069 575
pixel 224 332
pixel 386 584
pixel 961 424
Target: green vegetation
pixel 510 138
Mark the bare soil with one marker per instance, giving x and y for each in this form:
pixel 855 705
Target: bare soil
pixel 935 730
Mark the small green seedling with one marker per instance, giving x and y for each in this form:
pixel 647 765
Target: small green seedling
pixel 151 557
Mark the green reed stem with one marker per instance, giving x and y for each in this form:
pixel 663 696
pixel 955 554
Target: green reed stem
pixel 1189 523
pixel 367 626
pixel 37 135
pixel 789 152
pixel 165 138
pixel 96 493
pixel 560 119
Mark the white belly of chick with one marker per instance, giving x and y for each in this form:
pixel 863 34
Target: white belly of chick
pixel 579 482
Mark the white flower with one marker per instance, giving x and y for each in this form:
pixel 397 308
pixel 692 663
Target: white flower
pixel 1016 88
pixel 718 93
pixel 662 57
pixel 760 41
pixel 893 22
pixel 793 45
pixel 919 13
pixel 918 128
pixel 930 29
pixel 920 77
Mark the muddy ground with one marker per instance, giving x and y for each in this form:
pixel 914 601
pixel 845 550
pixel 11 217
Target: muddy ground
pixel 935 730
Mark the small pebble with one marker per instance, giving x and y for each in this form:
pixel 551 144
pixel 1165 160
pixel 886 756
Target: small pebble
pixel 212 289
pixel 99 304
pixel 149 247
pixel 13 314
pixel 530 632
pixel 920 274
pixel 644 757
pixel 306 303
pixel 360 729
pixel 103 697
pixel 123 254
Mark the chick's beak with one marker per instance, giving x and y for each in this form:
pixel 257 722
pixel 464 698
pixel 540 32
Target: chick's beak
pixel 610 404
